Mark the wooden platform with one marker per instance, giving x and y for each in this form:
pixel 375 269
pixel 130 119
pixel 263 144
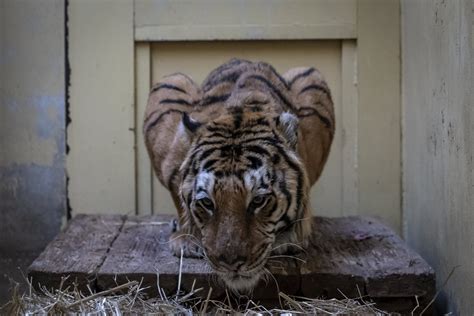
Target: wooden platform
pixel 349 255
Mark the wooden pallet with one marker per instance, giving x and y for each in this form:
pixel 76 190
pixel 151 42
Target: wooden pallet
pixel 348 255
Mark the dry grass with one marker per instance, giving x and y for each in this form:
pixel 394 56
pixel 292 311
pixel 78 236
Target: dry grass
pixel 129 298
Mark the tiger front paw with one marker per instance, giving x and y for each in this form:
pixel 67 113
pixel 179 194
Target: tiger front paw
pixel 188 244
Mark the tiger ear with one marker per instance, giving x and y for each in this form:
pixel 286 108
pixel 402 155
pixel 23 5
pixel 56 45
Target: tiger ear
pixel 190 124
pixel 185 133
pixel 287 123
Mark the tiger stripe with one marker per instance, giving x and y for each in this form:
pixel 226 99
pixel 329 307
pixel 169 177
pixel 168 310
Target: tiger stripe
pixel 301 75
pixel 175 101
pixel 149 125
pixel 167 86
pixel 315 87
pixel 273 89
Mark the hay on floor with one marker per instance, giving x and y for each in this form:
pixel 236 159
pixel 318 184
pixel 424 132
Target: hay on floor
pixel 128 298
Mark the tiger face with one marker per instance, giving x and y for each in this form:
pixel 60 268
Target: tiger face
pixel 244 186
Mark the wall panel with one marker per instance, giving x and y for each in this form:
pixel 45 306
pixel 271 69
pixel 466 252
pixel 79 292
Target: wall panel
pixel 164 20
pixel 101 160
pixel 379 134
pixel 438 146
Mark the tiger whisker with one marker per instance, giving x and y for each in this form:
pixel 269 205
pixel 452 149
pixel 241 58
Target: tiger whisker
pixel 185 235
pixel 196 243
pixel 289 244
pixel 287 256
pixel 265 278
pixel 296 221
pixel 301 219
pixel 178 237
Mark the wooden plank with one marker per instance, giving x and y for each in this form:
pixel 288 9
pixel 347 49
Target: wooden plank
pixel 141 253
pixel 349 256
pixel 348 119
pixel 161 20
pixel 369 254
pixel 101 159
pixel 144 176
pixel 141 250
pixel 379 124
pixel 77 252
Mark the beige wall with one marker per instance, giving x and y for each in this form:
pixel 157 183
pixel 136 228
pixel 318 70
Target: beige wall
pixel 438 143
pixel 100 136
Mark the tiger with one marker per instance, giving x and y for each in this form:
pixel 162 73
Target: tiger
pixel 239 154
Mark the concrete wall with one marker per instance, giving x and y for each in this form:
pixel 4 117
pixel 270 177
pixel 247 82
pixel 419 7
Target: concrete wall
pixel 438 143
pixel 32 129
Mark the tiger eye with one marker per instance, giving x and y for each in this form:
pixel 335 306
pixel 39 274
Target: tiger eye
pixel 206 202
pixel 258 201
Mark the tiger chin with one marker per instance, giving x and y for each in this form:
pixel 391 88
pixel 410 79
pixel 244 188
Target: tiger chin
pixel 239 154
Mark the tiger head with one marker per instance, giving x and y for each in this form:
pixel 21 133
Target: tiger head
pixel 244 187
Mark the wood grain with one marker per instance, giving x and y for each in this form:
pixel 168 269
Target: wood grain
pixel 77 252
pixel 349 256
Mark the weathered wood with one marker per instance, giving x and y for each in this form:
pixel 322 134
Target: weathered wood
pixel 141 252
pixel 359 255
pixel 77 252
pixel 365 251
pixel 348 256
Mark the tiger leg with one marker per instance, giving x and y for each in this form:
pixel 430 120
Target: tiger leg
pixel 315 110
pixel 296 239
pixel 169 100
pixel 186 238
pixel 312 99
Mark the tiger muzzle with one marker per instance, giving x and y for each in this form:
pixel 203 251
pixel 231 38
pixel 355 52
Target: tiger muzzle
pixel 229 257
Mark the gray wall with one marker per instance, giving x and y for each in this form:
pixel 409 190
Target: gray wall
pixel 438 142
pixel 32 130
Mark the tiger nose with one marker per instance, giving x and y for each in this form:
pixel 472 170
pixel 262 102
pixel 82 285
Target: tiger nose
pixel 232 261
